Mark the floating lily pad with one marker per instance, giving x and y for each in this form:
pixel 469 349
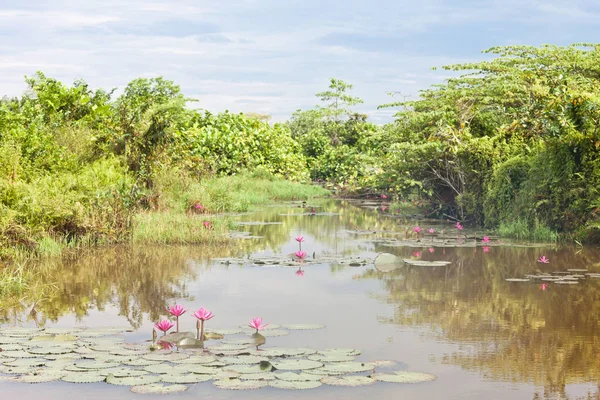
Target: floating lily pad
pixel 15 370
pixel 353 380
pixel 186 378
pixel 303 327
pixel 386 262
pixel 26 362
pixel 347 368
pixel 158 388
pixel 10 340
pixel 295 385
pixel 281 352
pixel 122 372
pixel 296 364
pixel 238 342
pixel 18 354
pixel 204 359
pixel 383 363
pixel 243 359
pixel 62 331
pixel 516 280
pixel 95 365
pixel 167 369
pixel 133 380
pixel 339 351
pixel 201 369
pixel 333 358
pixel 251 369
pixel 423 263
pixel 165 356
pixel 20 332
pixel 233 331
pixel 577 270
pixel 140 362
pixel 404 377
pixel 297 377
pixel 39 378
pixel 238 384
pixel 263 376
pixel 222 375
pixel 83 378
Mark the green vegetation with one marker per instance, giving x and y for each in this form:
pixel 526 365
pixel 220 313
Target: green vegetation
pixel 512 142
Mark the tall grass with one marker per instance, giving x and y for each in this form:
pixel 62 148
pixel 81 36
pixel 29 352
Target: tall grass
pixel 521 230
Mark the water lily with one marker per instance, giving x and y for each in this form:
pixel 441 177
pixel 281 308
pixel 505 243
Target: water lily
pixel 177 311
pixel 300 254
pixel 486 249
pixel 256 323
pixel 431 250
pixel 202 315
pixel 198 206
pixel 543 260
pixel 300 272
pixel 207 224
pixel 383 208
pixel 417 229
pixel 299 239
pixel 486 239
pixel 165 345
pixel 416 254
pixel 459 226
pixel 164 326
pixel 544 286
pixel 431 231
pixel 383 196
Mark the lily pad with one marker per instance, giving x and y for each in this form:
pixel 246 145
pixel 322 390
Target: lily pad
pixel 233 331
pixel 386 262
pixel 516 280
pixel 353 380
pixel 186 378
pixel 165 356
pixel 404 377
pixel 281 352
pixel 263 376
pixel 243 360
pixel 204 359
pixel 238 384
pixel 296 364
pixel 201 369
pixel 83 378
pixel 295 385
pixel 39 378
pixel 140 362
pixel 95 365
pixel 158 388
pixel 250 369
pixel 332 358
pixel 18 354
pixel 133 380
pixel 347 368
pixel 26 362
pixel 423 263
pixel 167 369
pixel 303 327
pixel 122 372
pixel 339 351
pixel 297 377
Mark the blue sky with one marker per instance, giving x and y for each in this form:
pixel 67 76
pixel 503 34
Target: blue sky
pixel 272 56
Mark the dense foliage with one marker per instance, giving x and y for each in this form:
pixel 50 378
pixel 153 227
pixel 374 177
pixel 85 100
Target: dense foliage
pixel 512 142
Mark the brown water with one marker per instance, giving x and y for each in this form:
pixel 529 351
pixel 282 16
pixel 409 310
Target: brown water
pixel 483 337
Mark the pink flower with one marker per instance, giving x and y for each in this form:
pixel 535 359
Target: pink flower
pixel 383 196
pixel 164 325
pixel 300 254
pixel 300 272
pixel 203 314
pixel 313 211
pixel 486 239
pixel 544 286
pixel 207 224
pixel 543 260
pixel 198 206
pixel 431 231
pixel 165 345
pixel 459 226
pixel 383 208
pixel 431 250
pixel 486 249
pixel 256 323
pixel 299 239
pixel 177 310
pixel 416 254
pixel 417 229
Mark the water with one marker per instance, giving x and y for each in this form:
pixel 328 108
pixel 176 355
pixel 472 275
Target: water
pixel 483 337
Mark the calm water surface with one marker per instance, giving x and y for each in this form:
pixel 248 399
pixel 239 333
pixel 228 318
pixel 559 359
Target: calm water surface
pixel 483 337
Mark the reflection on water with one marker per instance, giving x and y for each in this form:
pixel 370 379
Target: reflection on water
pixel 464 315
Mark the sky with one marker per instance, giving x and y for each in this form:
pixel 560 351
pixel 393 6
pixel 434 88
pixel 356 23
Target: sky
pixel 273 56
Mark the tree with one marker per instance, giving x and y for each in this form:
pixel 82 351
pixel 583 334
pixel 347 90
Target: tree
pixel 338 100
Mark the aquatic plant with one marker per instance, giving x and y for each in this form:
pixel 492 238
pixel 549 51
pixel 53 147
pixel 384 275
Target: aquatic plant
pixel 300 254
pixel 417 230
pixel 544 286
pixel 202 315
pixel 543 260
pixel 431 231
pixel 299 239
pixel 383 196
pixel 300 272
pixel 459 226
pixel 431 250
pixel 207 224
pixel 486 239
pixel 486 249
pixel 177 311
pixel 164 326
pixel 256 323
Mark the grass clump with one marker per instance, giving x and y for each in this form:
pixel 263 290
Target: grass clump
pixel 519 229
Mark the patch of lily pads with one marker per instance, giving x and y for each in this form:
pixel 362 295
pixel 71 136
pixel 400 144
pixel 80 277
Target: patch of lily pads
pixel 237 362
pixel 571 276
pixel 290 260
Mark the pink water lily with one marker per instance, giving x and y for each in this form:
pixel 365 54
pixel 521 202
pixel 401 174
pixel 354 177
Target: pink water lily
pixel 383 208
pixel 198 206
pixel 165 345
pixel 431 250
pixel 459 226
pixel 202 315
pixel 256 323
pixel 164 325
pixel 544 286
pixel 417 229
pixel 486 249
pixel 416 254
pixel 300 254
pixel 543 260
pixel 299 239
pixel 431 231
pixel 486 239
pixel 300 272
pixel 177 310
pixel 383 196
pixel 207 224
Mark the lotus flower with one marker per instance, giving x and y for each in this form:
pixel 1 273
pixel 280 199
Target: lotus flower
pixel 299 239
pixel 544 286
pixel 431 250
pixel 300 254
pixel 486 249
pixel 486 239
pixel 202 315
pixel 177 311
pixel 417 229
pixel 256 323
pixel 431 231
pixel 300 272
pixel 164 326
pixel 543 260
